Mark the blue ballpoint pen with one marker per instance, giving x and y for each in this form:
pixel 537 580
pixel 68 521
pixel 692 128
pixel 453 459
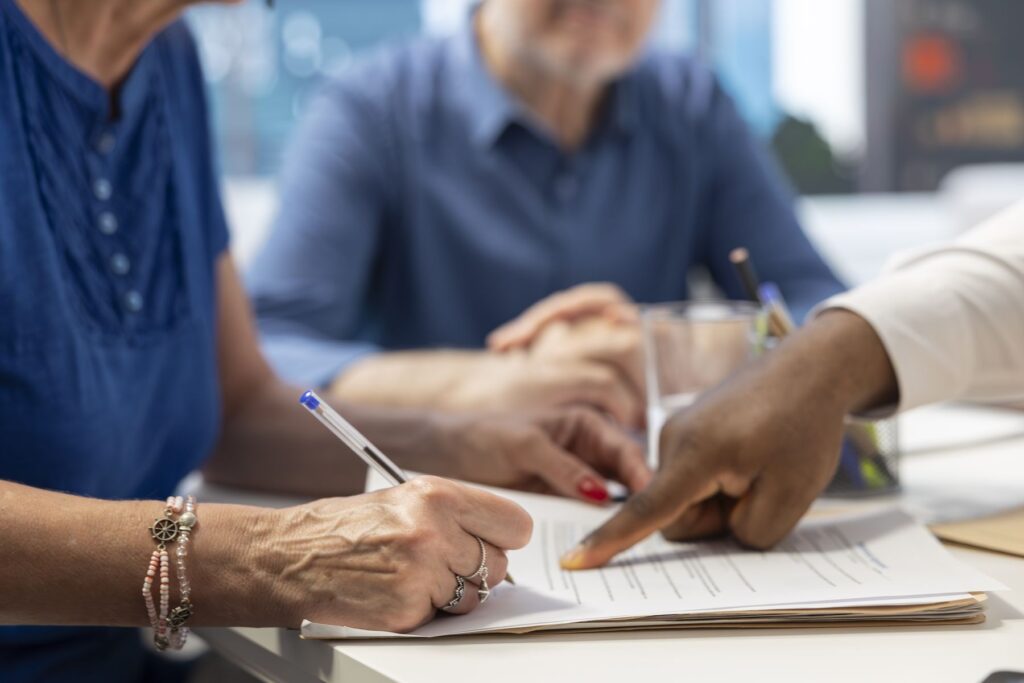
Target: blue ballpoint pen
pixel 351 437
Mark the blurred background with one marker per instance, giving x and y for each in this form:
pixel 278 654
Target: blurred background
pixel 899 122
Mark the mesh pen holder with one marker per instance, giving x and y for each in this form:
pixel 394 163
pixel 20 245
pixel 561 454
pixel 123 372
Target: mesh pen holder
pixel 869 459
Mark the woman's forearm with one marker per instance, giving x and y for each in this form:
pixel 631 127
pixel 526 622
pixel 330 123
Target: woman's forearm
pixel 69 560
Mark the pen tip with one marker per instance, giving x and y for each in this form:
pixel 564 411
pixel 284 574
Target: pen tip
pixel 739 255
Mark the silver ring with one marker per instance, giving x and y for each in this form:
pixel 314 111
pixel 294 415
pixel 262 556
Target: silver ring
pixel 460 581
pixel 460 592
pixel 485 590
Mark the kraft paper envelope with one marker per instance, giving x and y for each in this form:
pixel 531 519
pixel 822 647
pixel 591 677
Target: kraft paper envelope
pixel 1003 533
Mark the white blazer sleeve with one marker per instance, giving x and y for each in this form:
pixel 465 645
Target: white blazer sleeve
pixel 952 318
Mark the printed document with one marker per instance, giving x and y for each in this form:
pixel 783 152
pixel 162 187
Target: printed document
pixel 830 567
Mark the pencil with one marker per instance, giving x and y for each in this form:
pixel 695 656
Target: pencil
pixel 740 258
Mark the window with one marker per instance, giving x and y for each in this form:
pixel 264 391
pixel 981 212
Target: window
pixel 263 66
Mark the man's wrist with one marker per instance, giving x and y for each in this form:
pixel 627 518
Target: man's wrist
pixel 412 379
pixel 355 382
pixel 483 380
pixel 848 356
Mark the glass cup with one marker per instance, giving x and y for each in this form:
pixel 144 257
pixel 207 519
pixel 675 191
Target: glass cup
pixel 690 347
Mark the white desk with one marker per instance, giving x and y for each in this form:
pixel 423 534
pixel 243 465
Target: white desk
pixel 970 478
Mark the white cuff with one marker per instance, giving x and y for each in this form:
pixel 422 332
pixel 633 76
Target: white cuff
pixel 921 330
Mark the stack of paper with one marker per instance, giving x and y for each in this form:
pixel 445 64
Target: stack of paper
pixel 879 567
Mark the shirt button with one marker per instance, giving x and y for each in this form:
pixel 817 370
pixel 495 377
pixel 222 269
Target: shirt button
pixel 120 264
pixel 105 143
pixel 108 223
pixel 102 189
pixel 133 301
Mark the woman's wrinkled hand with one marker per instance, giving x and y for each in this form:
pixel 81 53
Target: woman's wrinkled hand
pixel 388 560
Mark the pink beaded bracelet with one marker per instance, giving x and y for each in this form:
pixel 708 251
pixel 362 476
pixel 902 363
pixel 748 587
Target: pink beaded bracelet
pixel 169 626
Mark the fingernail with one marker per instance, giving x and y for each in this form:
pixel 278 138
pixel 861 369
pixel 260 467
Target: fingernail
pixel 572 559
pixel 592 489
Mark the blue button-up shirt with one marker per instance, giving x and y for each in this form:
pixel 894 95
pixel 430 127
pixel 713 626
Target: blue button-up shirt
pixel 423 206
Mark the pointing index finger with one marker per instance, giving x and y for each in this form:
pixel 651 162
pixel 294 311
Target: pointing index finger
pixel 669 494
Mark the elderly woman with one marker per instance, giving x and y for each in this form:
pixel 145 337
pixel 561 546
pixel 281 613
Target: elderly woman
pixel 128 358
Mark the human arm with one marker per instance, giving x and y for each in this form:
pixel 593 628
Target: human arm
pixel 73 560
pixel 379 561
pixel 312 287
pixel 385 559
pixel 752 455
pixel 578 346
pixel 269 442
pixel 311 283
pixel 460 381
pixel 952 317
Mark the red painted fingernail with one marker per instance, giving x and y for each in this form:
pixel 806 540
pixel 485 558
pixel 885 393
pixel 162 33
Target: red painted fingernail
pixel 593 489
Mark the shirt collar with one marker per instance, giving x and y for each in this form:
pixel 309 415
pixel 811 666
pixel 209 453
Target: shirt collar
pixel 491 109
pixel 621 113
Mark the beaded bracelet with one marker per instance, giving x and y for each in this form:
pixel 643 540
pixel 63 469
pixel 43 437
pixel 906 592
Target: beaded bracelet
pixel 180 615
pixel 169 629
